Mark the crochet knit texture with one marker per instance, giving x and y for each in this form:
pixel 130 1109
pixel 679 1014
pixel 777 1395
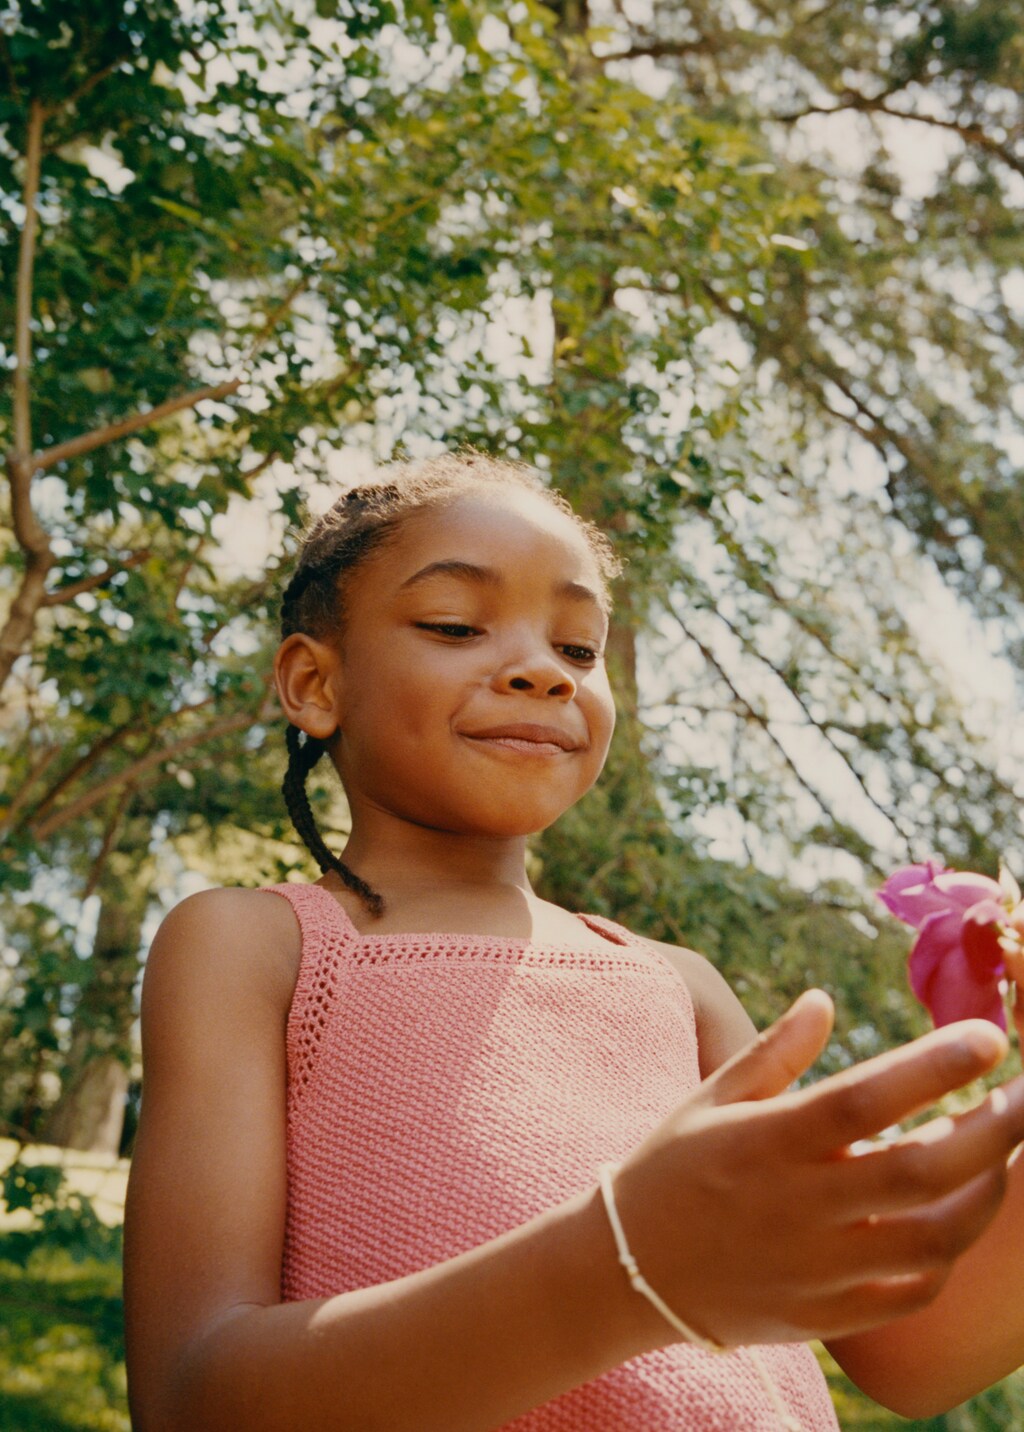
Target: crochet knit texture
pixel 443 1089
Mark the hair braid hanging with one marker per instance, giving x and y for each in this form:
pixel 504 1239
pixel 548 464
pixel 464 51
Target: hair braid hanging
pixel 302 757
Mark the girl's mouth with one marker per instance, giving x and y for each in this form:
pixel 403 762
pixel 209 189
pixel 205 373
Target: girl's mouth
pixel 527 737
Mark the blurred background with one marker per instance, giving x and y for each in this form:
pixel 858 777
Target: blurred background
pixel 744 277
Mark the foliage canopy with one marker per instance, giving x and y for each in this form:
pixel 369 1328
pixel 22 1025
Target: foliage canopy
pixel 685 258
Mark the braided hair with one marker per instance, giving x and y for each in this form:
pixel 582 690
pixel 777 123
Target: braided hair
pixel 362 520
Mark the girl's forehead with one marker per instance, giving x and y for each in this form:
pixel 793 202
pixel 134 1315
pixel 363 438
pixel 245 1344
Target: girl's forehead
pixel 508 526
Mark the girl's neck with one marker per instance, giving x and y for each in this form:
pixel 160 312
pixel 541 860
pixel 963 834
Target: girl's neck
pixel 403 861
pixel 435 881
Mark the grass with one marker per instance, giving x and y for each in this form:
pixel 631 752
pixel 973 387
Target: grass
pixel 62 1357
pixel 61 1344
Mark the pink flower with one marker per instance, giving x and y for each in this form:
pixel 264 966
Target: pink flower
pixel 962 920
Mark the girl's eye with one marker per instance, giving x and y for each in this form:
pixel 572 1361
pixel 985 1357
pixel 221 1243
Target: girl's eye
pixel 455 630
pixel 585 655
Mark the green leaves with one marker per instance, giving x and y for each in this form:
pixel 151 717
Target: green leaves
pixel 419 224
pixel 63 1217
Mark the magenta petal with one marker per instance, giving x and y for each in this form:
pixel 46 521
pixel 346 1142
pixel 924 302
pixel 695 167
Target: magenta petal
pixel 957 961
pixel 962 889
pixel 956 994
pixel 944 979
pixel 937 943
pixel 982 926
pixel 910 893
pixel 914 875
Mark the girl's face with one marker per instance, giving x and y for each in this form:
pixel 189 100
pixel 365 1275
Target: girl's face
pixel 472 695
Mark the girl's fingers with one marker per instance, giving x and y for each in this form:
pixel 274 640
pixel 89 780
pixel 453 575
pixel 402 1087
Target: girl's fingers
pixel 925 1241
pixel 854 1310
pixel 929 1163
pixel 1014 957
pixel 778 1056
pixel 873 1096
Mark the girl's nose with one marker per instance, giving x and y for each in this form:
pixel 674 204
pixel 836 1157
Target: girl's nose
pixel 539 676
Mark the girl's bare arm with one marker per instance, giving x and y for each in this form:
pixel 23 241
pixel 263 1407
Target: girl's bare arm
pixel 773 1246
pixel 968 1338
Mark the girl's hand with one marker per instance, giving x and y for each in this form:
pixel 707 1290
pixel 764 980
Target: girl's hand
pixel 753 1214
pixel 1013 953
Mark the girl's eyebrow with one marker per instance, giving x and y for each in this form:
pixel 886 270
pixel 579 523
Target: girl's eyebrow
pixel 487 576
pixel 469 572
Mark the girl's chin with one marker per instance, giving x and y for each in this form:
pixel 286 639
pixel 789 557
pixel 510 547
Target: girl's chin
pixel 519 830
pixel 517 825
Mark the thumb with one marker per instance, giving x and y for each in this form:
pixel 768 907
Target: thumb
pixel 775 1058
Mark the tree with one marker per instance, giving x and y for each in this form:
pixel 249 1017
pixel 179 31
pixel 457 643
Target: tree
pixel 661 265
pixel 176 235
pixel 888 336
pixel 89 1111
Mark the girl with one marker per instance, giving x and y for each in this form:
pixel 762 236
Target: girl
pixel 424 1153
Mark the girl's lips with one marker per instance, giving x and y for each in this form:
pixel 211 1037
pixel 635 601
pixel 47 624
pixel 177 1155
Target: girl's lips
pixel 528 737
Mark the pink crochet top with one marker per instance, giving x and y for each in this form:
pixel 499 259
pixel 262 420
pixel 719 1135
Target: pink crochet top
pixel 445 1088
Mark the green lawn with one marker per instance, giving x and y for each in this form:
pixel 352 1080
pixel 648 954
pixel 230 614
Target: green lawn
pixel 61 1345
pixel 62 1357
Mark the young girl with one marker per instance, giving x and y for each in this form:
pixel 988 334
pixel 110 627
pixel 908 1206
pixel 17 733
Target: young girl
pixel 422 1152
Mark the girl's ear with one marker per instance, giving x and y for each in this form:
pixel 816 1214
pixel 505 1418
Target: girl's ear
pixel 308 678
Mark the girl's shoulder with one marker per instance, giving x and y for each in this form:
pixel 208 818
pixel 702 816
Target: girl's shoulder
pixel 723 1025
pixel 229 944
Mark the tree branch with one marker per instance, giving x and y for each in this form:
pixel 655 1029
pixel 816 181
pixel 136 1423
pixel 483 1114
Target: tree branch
pixel 876 430
pixel 106 743
pixel 183 575
pixel 298 287
pixel 252 473
pixel 33 539
pixel 138 768
pixel 22 464
pixel 813 16
pixel 99 437
pixel 756 716
pixel 970 133
pixel 757 580
pixel 657 50
pixel 29 533
pixel 79 767
pixel 23 297
pixel 36 773
pixel 67 593
pixel 823 730
pixel 333 385
pixel 244 601
pixel 93 80
pixel 107 844
pixel 12 79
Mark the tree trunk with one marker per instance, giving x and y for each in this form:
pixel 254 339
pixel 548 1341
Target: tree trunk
pixel 89 1114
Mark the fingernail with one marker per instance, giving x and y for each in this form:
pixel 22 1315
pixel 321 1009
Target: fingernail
pixel 983 1041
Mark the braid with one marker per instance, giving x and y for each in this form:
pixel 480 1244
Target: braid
pixel 302 757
